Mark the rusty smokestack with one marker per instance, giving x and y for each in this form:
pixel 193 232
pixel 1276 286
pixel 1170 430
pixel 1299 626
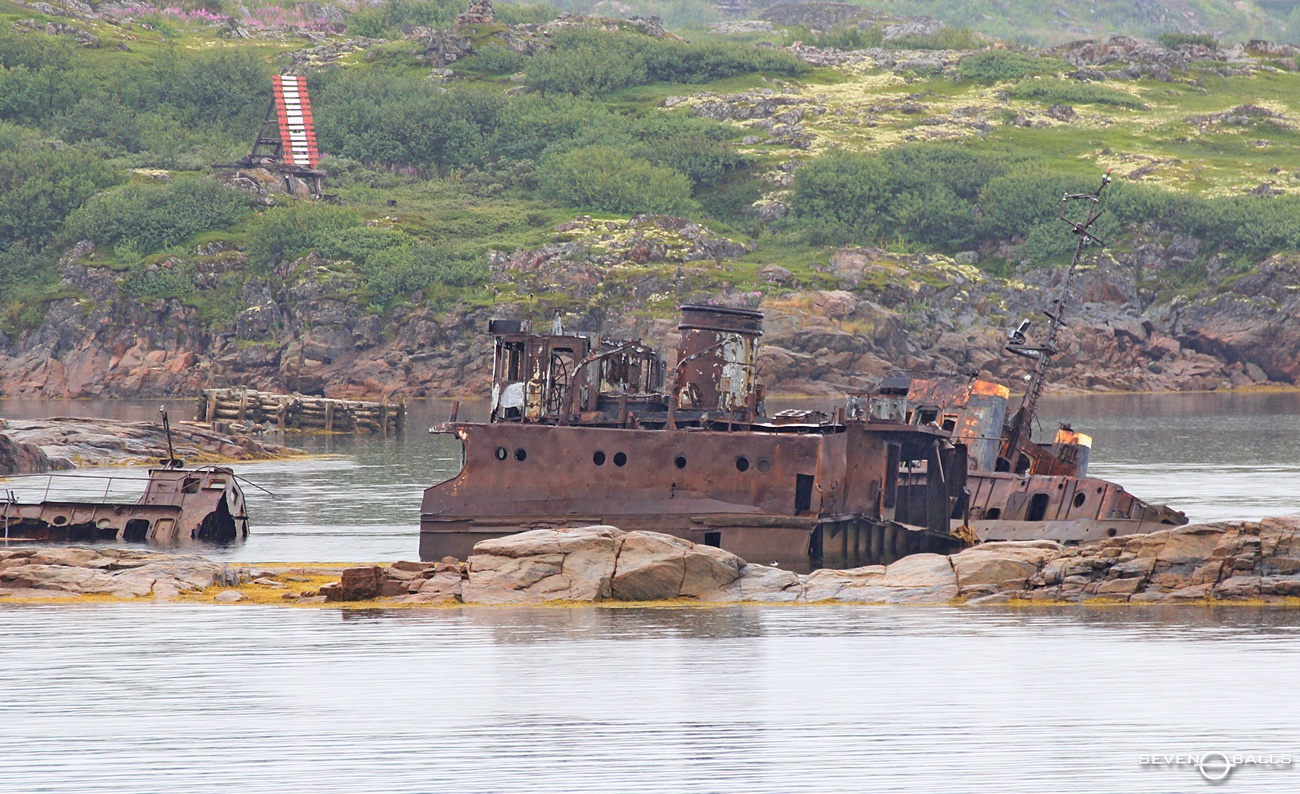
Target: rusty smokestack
pixel 717 358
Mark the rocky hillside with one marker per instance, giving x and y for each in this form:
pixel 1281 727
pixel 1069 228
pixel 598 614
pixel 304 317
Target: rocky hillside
pixel 882 188
pixel 867 312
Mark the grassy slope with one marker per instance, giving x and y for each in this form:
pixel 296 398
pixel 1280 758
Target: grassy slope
pixel 1214 160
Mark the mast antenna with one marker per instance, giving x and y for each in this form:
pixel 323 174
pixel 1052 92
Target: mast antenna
pixel 1023 420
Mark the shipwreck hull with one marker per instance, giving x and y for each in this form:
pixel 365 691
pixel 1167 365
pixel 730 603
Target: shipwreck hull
pixel 799 500
pixel 801 547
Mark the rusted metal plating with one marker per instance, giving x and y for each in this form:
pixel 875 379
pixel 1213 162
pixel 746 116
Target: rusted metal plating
pixel 1048 496
pixel 178 506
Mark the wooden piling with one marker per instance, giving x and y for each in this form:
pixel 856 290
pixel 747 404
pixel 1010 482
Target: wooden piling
pixel 300 412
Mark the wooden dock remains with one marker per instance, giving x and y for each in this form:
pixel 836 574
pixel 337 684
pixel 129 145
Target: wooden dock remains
pixel 301 412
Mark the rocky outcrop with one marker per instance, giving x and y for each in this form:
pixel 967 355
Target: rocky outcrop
pixel 69 442
pixel 40 573
pixel 20 457
pixel 831 326
pixel 1245 561
pixel 1227 561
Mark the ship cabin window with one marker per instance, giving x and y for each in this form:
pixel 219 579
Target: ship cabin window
pixel 742 463
pixel 191 485
pixel 1037 507
pixel 680 461
pixel 521 454
pixel 927 416
pixel 620 459
pixel 949 422
pixel 598 457
pixel 993 514
pixel 502 453
pixel 713 539
pixel 1079 499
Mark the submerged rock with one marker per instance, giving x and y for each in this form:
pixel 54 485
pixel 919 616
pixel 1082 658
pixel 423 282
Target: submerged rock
pixel 124 573
pixel 65 442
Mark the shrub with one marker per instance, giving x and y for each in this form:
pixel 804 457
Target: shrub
pixel 155 216
pixel 289 232
pixel 841 197
pixel 496 59
pixel 383 21
pixel 379 118
pixel 943 39
pixel 1173 40
pixel 533 126
pixel 594 63
pixel 995 65
pixel 393 273
pixel 608 179
pixel 696 147
pixel 511 14
pixel 585 66
pixel 41 184
pixel 847 38
pixel 1072 92
pixel 224 86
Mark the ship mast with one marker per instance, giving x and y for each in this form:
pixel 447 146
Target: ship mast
pixel 1022 422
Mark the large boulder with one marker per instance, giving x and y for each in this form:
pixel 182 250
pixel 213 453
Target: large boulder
pixel 761 583
pixel 595 564
pixel 993 567
pixel 917 579
pixel 544 565
pixel 17 457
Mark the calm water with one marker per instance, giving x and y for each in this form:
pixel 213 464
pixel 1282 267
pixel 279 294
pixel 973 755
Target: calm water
pixel 172 698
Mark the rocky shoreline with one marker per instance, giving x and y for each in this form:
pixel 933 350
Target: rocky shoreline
pixel 1244 562
pixel 32 446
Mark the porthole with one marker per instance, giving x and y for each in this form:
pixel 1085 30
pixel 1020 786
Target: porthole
pixel 598 458
pixel 1110 533
pixel 60 521
pixel 502 453
pixel 1079 499
pixel 680 461
pixel 742 463
pixel 764 464
pixel 619 459
pixel 521 454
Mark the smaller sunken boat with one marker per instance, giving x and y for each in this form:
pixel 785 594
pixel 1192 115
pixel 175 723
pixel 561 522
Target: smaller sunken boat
pixel 178 506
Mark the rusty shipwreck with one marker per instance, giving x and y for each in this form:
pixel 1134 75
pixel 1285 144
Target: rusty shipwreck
pixel 178 506
pixel 584 430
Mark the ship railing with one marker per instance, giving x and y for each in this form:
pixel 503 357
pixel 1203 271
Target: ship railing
pixel 117 489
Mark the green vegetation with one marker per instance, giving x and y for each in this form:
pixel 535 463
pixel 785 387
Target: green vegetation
pixel 1073 92
pixel 1172 40
pixel 996 65
pixel 428 176
pixel 597 63
pixel 154 217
